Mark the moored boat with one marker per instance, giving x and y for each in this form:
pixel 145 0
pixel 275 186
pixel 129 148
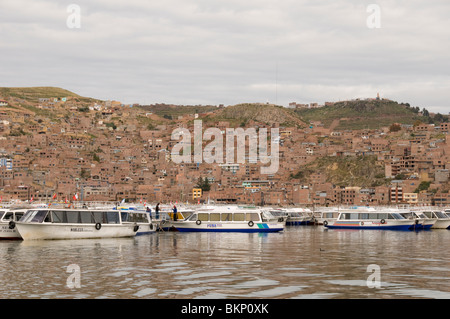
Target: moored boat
pixel 442 221
pixel 370 219
pixel 324 217
pixel 73 224
pixel 230 219
pixel 420 220
pixel 299 216
pixel 8 219
pixel 140 218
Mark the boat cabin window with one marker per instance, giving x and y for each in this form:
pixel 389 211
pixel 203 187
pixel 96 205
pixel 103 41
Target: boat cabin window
pixel 18 215
pixel 1 213
pixel 59 216
pixel 86 218
pixel 193 217
pixel 99 217
pixel 203 217
pixel 8 216
pixel 112 217
pixel 214 217
pixel 226 217
pixel 239 217
pixel 252 217
pixel 134 217
pixel 396 216
pixel 440 215
pixel 40 217
pixel 73 217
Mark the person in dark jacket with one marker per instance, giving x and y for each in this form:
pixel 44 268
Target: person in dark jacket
pixel 175 217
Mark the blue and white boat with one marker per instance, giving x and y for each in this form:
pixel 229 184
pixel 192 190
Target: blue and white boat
pixel 442 221
pixel 420 220
pixel 370 219
pixel 230 219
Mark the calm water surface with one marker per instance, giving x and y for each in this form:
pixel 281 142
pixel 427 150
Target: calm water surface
pixel 301 262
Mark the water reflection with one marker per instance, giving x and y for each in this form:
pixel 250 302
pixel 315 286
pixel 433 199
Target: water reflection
pixel 301 262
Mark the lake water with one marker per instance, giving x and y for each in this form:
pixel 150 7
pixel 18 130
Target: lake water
pixel 302 262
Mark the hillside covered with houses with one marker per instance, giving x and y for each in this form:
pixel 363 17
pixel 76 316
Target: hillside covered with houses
pixel 55 144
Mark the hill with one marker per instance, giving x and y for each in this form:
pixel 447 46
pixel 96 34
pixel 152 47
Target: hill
pixel 270 114
pixel 361 114
pixel 361 171
pixel 33 94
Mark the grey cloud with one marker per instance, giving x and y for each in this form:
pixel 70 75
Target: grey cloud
pixel 183 51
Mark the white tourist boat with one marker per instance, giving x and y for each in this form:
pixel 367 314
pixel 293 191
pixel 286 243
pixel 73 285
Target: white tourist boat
pixel 140 218
pixel 8 219
pixel 299 216
pixel 421 221
pixel 370 219
pixel 164 219
pixel 442 221
pixel 325 216
pixel 73 224
pixel 230 219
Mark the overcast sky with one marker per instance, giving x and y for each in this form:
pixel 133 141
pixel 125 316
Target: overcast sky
pixel 229 51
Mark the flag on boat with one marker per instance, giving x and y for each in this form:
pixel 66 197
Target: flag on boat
pixel 54 196
pixel 75 197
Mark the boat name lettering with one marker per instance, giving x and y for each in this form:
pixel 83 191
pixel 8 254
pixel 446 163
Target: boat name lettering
pixel 214 225
pixel 77 229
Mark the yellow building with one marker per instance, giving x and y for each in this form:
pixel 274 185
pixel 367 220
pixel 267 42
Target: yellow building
pixel 411 198
pixel 196 193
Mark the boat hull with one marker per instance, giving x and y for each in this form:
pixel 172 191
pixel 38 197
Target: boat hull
pixel 40 231
pixel 9 234
pixel 222 227
pixel 371 225
pixel 441 224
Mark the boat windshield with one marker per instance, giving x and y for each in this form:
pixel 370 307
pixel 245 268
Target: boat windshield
pixel 34 216
pixel 421 215
pixel 440 215
pixel 266 216
pixel 397 216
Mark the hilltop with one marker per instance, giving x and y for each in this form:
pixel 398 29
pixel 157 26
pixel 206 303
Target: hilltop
pixel 362 114
pixel 270 114
pixel 33 94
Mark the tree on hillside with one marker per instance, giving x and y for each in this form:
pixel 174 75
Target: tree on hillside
pixel 203 184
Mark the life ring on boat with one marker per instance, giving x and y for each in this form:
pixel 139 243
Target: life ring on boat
pixel 251 223
pixel 11 225
pixel 325 223
pixel 362 223
pixel 136 228
pixel 416 221
pixel 98 226
pixel 151 226
pixel 383 221
pixel 281 219
pixel 198 222
pixel 163 222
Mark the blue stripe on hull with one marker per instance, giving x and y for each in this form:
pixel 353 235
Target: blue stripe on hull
pixel 144 233
pixel 248 230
